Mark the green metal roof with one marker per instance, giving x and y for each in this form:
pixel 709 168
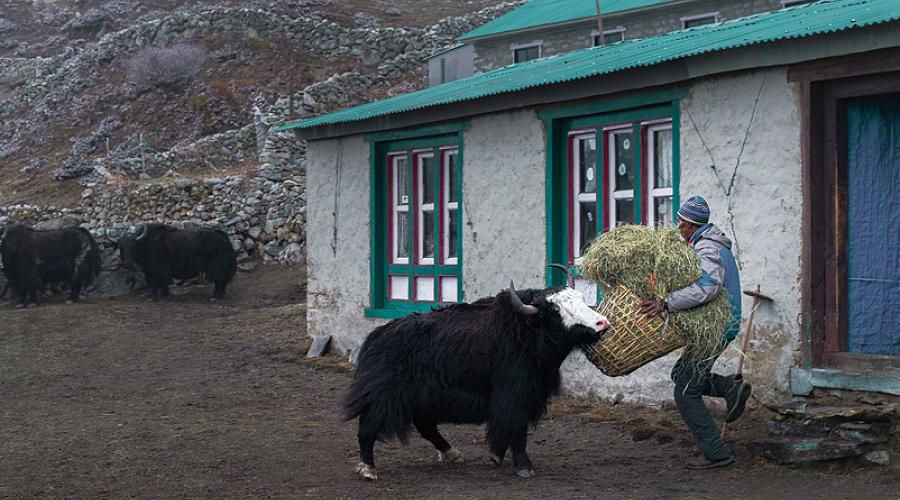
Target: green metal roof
pixel 825 16
pixel 546 12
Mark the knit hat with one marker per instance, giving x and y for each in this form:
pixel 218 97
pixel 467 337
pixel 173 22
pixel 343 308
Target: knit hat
pixel 695 211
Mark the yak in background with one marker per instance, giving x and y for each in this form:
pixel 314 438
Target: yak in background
pixel 34 259
pixel 495 360
pixel 164 253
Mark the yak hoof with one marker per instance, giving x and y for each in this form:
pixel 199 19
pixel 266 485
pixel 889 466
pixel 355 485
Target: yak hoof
pixel 31 305
pixel 525 472
pixel 450 456
pixel 20 306
pixel 366 471
pixel 496 460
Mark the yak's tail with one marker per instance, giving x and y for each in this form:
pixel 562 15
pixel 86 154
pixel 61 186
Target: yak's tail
pixel 376 397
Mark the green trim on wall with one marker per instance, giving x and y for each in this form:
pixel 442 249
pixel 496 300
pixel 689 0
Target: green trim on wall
pixel 376 225
pixel 676 159
pixel 433 138
pixel 606 106
pixel 460 162
pixel 396 135
pixel 558 123
pixel 557 215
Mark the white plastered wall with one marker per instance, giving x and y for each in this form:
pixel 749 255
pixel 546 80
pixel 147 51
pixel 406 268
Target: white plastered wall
pixel 766 202
pixel 504 222
pixel 504 210
pixel 337 239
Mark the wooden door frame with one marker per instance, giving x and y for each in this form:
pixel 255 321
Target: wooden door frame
pixel 824 85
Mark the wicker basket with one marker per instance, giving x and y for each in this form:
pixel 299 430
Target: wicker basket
pixel 633 340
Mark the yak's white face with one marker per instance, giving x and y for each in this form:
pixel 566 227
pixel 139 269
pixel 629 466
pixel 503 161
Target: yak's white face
pixel 574 311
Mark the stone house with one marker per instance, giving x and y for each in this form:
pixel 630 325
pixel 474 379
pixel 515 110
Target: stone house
pixel 786 121
pixel 542 28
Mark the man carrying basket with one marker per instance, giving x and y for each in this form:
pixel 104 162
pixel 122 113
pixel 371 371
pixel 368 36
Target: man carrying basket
pixel 692 380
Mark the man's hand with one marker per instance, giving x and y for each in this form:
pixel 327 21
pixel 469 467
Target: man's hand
pixel 652 307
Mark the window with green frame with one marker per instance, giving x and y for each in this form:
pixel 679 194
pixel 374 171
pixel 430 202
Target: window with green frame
pixel 416 242
pixel 607 169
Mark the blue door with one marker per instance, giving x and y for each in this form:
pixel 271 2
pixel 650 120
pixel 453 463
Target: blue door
pixel 873 224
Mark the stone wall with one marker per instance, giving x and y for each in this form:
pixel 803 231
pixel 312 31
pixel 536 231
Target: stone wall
pixel 264 219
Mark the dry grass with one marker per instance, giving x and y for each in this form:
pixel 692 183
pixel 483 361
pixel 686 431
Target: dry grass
pixel 652 263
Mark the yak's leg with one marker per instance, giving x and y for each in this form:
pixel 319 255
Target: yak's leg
pixel 32 299
pixel 428 430
pixel 219 292
pixel 74 292
pixel 522 463
pixel 22 300
pixel 497 443
pixel 367 436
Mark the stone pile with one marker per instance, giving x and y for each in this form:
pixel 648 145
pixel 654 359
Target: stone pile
pixel 805 431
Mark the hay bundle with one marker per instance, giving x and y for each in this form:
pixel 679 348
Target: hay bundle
pixel 651 263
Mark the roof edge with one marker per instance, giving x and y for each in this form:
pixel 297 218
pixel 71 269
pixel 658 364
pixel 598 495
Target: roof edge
pixel 776 54
pixel 586 19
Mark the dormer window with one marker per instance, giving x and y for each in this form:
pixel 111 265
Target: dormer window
pixel 699 20
pixel 609 36
pixel 526 52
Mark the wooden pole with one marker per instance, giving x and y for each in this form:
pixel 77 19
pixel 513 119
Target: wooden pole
pixel 600 40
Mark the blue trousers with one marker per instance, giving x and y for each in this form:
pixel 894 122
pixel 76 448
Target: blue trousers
pixel 692 382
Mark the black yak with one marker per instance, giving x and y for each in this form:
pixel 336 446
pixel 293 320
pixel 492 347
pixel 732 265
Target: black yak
pixel 33 259
pixel 495 360
pixel 164 252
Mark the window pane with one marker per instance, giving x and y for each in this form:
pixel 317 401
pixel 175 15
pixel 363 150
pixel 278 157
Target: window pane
pixel 613 37
pixel 662 158
pixel 452 228
pixel 624 161
pixel 400 287
pixel 453 195
pixel 448 288
pixel 588 216
pixel 587 154
pixel 624 211
pixel 428 235
pixel 402 231
pixel 588 290
pixel 662 210
pixel 526 54
pixel 427 173
pixel 401 173
pixel 425 288
pixel 699 22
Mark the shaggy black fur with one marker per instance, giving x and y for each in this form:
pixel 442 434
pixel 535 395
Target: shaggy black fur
pixel 33 259
pixel 164 253
pixel 463 364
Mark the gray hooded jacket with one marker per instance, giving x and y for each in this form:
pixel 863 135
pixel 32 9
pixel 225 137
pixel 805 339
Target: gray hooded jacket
pixel 718 271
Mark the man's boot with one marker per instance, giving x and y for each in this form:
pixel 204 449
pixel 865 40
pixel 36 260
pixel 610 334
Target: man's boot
pixel 736 399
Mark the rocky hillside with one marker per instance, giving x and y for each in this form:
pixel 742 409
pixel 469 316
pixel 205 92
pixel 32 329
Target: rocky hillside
pixel 94 93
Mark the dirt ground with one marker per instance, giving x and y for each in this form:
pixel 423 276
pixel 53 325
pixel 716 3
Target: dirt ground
pixel 182 398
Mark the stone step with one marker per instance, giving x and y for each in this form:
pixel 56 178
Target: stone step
pixel 815 411
pixel 790 451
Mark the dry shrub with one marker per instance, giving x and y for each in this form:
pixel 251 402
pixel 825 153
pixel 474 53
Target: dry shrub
pixel 153 67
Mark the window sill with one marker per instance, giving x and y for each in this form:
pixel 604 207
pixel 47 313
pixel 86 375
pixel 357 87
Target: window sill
pixel 394 312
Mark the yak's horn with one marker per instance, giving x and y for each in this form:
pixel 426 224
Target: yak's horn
pixel 141 233
pixel 521 308
pixel 570 280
